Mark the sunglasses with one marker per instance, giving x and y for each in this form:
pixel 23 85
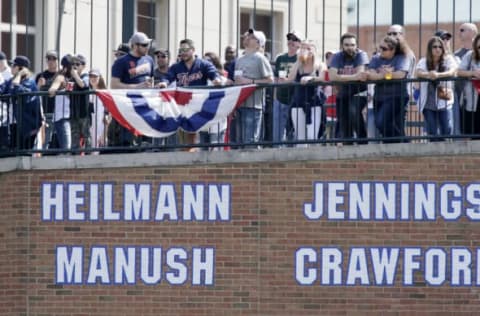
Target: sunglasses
pixel 384 49
pixel 183 50
pixel 143 45
pixel 393 33
pixel 436 46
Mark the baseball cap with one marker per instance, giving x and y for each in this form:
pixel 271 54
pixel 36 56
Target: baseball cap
pixel 51 53
pixel 295 36
pixel 122 49
pixel 82 59
pixel 3 56
pixel 443 34
pixel 139 38
pixel 21 61
pixel 259 35
pixel 95 72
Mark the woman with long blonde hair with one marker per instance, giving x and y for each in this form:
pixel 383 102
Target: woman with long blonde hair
pixel 306 109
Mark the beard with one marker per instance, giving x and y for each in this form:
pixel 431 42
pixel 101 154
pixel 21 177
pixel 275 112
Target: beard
pixel 187 58
pixel 349 54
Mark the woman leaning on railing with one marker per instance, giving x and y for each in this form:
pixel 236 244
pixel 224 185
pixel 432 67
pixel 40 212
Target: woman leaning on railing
pixel 436 96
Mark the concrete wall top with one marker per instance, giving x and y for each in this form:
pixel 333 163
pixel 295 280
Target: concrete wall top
pixel 317 152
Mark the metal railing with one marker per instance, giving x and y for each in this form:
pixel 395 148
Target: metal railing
pixel 32 27
pixel 405 124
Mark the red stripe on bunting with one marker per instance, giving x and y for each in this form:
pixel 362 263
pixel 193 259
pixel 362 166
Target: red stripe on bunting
pixel 110 105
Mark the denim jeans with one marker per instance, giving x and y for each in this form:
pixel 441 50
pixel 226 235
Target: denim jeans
pixel 248 125
pixel 80 128
pixel 49 128
pixel 281 115
pixel 456 116
pixel 389 117
pixel 438 122
pixel 349 116
pixel 64 135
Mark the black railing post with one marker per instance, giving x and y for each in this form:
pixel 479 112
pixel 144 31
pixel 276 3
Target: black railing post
pixel 398 14
pixel 128 16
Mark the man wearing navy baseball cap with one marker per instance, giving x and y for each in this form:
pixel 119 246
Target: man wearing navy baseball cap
pixel 446 37
pixel 44 80
pixel 26 108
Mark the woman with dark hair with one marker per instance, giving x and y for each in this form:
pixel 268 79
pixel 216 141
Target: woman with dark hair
pixel 63 82
pixel 436 97
pixel 26 107
pixel 470 68
pixel 391 97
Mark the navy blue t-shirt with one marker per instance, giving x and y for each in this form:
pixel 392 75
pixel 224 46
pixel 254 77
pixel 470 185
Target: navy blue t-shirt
pixel 198 75
pixel 130 69
pixel 386 89
pixel 347 66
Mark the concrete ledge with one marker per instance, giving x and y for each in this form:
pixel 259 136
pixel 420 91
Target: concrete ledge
pixel 315 153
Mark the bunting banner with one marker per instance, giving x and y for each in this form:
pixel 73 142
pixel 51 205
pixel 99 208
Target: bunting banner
pixel 160 113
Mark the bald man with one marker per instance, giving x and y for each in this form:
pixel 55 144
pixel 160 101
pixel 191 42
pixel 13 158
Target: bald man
pixel 466 33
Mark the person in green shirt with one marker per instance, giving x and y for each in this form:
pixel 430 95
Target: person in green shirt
pixel 281 104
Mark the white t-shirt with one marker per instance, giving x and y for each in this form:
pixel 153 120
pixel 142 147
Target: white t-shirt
pixel 62 107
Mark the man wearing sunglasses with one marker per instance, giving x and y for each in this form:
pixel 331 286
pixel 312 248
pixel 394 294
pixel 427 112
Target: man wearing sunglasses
pixel 397 31
pixel 163 62
pixel 44 80
pixel 121 50
pixel 159 75
pixel 80 119
pixel 135 69
pixel 251 68
pixel 282 126
pixel 466 34
pixel 132 71
pixel 190 71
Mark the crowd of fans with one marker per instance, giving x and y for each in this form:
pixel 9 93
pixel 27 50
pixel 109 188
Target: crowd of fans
pixel 369 97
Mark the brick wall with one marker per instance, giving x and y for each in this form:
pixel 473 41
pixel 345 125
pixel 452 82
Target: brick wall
pixel 254 263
